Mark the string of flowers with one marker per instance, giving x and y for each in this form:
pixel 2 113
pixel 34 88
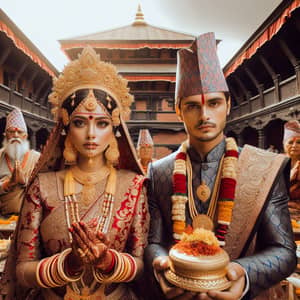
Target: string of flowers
pixel 179 197
pixel 227 190
pixel 226 193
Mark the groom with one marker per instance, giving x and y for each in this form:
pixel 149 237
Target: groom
pixel 251 218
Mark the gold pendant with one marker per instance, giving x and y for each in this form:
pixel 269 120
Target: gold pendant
pixel 203 221
pixel 203 192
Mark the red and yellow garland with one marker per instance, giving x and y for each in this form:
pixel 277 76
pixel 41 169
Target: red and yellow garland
pixel 225 197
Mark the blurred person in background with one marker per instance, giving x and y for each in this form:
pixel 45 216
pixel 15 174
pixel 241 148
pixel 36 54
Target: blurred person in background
pixel 17 162
pixel 145 147
pixel 291 144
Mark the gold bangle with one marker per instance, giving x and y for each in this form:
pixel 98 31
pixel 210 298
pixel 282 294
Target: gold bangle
pixel 118 274
pixel 37 274
pixel 132 269
pixel 125 269
pixel 60 267
pixel 49 271
pixel 55 275
pixel 108 278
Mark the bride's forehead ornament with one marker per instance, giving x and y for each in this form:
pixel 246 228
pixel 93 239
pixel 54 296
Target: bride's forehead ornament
pixel 90 102
pixel 89 72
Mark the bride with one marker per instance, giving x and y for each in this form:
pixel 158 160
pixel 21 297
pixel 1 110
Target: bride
pixel 84 220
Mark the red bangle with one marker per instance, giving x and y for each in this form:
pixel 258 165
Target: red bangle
pixel 112 264
pixel 132 266
pixel 41 272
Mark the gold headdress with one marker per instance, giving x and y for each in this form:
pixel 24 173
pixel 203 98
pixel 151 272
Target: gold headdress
pixel 89 72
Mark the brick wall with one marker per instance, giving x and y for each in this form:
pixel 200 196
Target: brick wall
pixel 160 152
pixel 168 139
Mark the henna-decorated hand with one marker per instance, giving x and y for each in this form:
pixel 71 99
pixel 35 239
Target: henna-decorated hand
pixel 94 246
pixel 74 262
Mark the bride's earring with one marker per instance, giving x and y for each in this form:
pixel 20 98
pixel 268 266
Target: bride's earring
pixel 112 152
pixel 70 153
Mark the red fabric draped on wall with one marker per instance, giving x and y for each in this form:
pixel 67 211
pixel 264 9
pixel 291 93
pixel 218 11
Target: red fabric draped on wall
pixel 263 38
pixel 21 45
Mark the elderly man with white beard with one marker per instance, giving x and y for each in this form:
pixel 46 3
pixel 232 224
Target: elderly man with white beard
pixel 16 163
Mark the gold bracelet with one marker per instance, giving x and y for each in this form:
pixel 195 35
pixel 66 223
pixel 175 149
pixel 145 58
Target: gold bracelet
pixel 54 271
pixel 37 274
pixel 133 267
pixel 60 267
pixel 47 273
pixel 124 271
pixel 108 278
pixel 118 274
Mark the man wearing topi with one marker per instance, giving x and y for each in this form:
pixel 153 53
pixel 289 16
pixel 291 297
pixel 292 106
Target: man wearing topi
pixel 210 183
pixel 16 163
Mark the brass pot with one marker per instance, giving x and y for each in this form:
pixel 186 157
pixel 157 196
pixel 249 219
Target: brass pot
pixel 198 273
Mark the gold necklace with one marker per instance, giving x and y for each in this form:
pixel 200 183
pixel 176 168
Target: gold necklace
pixel 203 220
pixel 88 180
pixel 71 203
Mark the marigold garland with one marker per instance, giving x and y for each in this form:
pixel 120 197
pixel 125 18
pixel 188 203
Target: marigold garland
pixel 225 197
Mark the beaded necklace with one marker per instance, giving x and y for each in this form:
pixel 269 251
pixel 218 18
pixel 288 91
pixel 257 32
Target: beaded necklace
pixel 223 199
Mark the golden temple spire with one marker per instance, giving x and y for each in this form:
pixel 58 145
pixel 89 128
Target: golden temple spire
pixel 139 17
